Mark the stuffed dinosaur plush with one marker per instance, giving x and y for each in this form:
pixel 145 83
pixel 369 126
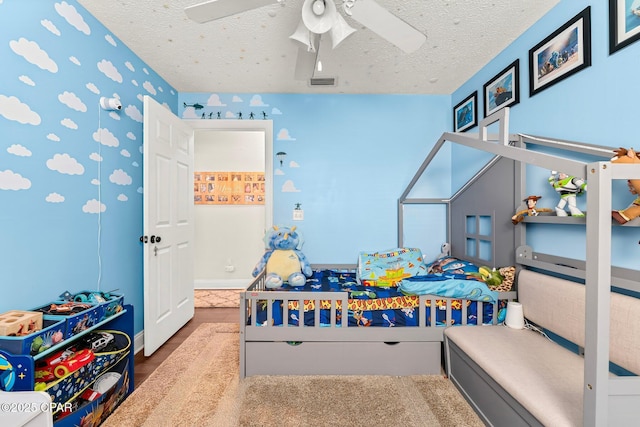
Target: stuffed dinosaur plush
pixel 283 259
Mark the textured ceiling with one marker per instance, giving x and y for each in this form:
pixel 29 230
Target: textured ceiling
pixel 251 52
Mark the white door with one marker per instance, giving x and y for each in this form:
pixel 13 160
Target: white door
pixel 168 224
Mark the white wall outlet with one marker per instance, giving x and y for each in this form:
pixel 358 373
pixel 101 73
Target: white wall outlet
pixel 298 214
pixel 229 268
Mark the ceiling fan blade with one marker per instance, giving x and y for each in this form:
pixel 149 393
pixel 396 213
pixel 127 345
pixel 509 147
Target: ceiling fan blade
pixel 216 9
pixel 306 60
pixel 387 25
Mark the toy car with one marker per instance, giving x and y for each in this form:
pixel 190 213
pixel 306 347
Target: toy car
pixel 61 364
pixel 98 341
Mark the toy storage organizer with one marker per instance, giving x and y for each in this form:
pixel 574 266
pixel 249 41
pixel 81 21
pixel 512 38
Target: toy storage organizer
pixel 55 328
pixel 87 395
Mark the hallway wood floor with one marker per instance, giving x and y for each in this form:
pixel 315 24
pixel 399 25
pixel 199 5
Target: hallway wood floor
pixel 144 366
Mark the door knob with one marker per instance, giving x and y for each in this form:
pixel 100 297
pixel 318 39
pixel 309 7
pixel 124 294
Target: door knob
pixel 155 239
pixel 144 239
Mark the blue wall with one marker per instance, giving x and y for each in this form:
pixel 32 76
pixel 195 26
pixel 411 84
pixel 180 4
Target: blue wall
pixel 348 160
pixel 71 195
pixel 349 157
pixel 595 105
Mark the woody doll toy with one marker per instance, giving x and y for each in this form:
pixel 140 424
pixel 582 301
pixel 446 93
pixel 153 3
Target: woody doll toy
pixel 531 210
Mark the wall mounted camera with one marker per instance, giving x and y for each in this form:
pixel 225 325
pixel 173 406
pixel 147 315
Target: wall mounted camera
pixel 110 104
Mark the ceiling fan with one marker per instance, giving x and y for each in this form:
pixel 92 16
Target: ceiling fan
pixel 321 17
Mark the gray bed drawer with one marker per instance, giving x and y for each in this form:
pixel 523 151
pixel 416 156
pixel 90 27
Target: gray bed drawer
pixel 343 358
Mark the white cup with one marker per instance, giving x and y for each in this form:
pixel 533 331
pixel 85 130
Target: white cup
pixel 515 316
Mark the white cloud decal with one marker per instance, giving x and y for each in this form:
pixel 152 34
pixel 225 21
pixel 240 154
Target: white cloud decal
pixel 236 98
pixel 95 181
pixel 283 135
pixel 122 198
pixel 109 70
pixel 276 111
pixel 93 206
pixel 289 187
pixel 53 137
pixel 74 60
pixel 13 109
pixel 120 177
pixel 214 101
pixel 149 87
pixel 50 26
pixel 144 70
pixel 129 65
pixel 114 115
pixel 125 153
pixel 19 150
pixel 256 101
pixel 95 157
pixel 72 101
pixel 140 190
pixel 110 40
pixel 293 164
pixel 134 82
pixel 67 122
pixel 72 16
pixel 229 115
pixel 189 113
pixel 65 164
pixel 9 180
pixel 93 88
pixel 278 172
pixel 135 165
pixel 105 137
pixel 133 112
pixel 26 80
pixel 55 198
pixel 32 53
pixel 131 136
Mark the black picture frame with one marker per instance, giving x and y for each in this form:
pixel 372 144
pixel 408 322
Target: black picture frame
pixel 624 24
pixel 503 90
pixel 563 53
pixel 465 113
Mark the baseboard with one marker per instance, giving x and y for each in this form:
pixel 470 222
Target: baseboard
pixel 221 284
pixel 138 342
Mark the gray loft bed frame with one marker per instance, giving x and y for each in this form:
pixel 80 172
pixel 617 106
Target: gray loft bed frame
pixel 604 394
pixel 331 350
pixel 335 349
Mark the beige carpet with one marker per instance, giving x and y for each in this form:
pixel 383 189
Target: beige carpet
pixel 198 385
pixel 208 298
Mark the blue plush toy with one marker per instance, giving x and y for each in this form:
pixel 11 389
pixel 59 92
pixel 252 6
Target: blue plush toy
pixel 283 260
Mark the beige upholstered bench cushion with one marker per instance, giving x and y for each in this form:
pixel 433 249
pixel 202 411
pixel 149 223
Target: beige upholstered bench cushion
pixel 544 377
pixel 559 305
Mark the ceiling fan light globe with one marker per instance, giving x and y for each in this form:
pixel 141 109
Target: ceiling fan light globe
pixel 318 24
pixel 340 31
pixel 302 35
pixel 318 7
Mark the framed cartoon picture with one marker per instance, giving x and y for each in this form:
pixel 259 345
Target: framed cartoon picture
pixel 562 54
pixel 465 114
pixel 624 23
pixel 503 90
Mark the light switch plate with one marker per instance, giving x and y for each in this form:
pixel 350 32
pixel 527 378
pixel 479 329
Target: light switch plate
pixel 298 214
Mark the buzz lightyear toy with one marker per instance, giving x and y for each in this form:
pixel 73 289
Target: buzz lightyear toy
pixel 568 187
